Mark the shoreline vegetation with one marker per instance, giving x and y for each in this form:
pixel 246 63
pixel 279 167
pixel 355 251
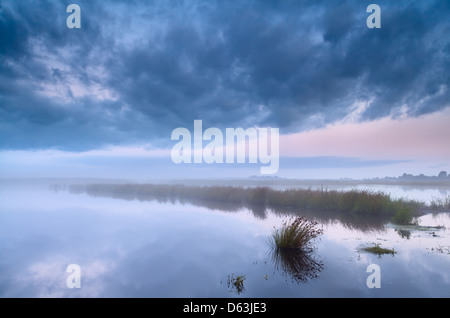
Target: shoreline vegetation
pixel 355 201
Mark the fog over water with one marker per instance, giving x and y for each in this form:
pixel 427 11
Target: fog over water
pixel 139 248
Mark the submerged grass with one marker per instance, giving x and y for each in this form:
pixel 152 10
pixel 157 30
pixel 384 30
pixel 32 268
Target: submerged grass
pixel 236 283
pixel 376 249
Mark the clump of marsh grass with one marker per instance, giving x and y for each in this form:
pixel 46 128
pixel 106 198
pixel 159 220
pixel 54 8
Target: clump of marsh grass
pixel 296 233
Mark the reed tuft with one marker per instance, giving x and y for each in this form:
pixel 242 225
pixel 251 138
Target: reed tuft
pixel 296 233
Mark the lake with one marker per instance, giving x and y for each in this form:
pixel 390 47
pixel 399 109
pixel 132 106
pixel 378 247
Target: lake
pixel 132 248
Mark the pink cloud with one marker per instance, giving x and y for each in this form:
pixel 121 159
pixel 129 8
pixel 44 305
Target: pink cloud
pixel 415 138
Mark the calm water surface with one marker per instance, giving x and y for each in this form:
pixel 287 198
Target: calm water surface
pixel 130 248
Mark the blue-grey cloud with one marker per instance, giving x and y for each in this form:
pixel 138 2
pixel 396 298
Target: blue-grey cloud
pixel 138 69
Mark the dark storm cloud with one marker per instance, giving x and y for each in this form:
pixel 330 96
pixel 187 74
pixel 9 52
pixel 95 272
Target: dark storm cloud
pixel 138 69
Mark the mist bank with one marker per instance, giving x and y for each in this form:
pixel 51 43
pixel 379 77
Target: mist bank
pixel 441 180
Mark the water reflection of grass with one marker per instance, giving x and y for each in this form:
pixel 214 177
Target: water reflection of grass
pixel 403 233
pixel 297 264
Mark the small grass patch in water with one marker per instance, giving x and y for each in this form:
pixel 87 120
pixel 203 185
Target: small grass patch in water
pixel 236 283
pixel 377 249
pixel 296 233
pixel 440 249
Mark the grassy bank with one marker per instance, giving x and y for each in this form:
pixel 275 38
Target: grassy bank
pixel 363 202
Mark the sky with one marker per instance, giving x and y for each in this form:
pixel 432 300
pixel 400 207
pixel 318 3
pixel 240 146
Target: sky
pixel 103 100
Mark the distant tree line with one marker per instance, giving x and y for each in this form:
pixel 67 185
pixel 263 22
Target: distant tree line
pixel 442 177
